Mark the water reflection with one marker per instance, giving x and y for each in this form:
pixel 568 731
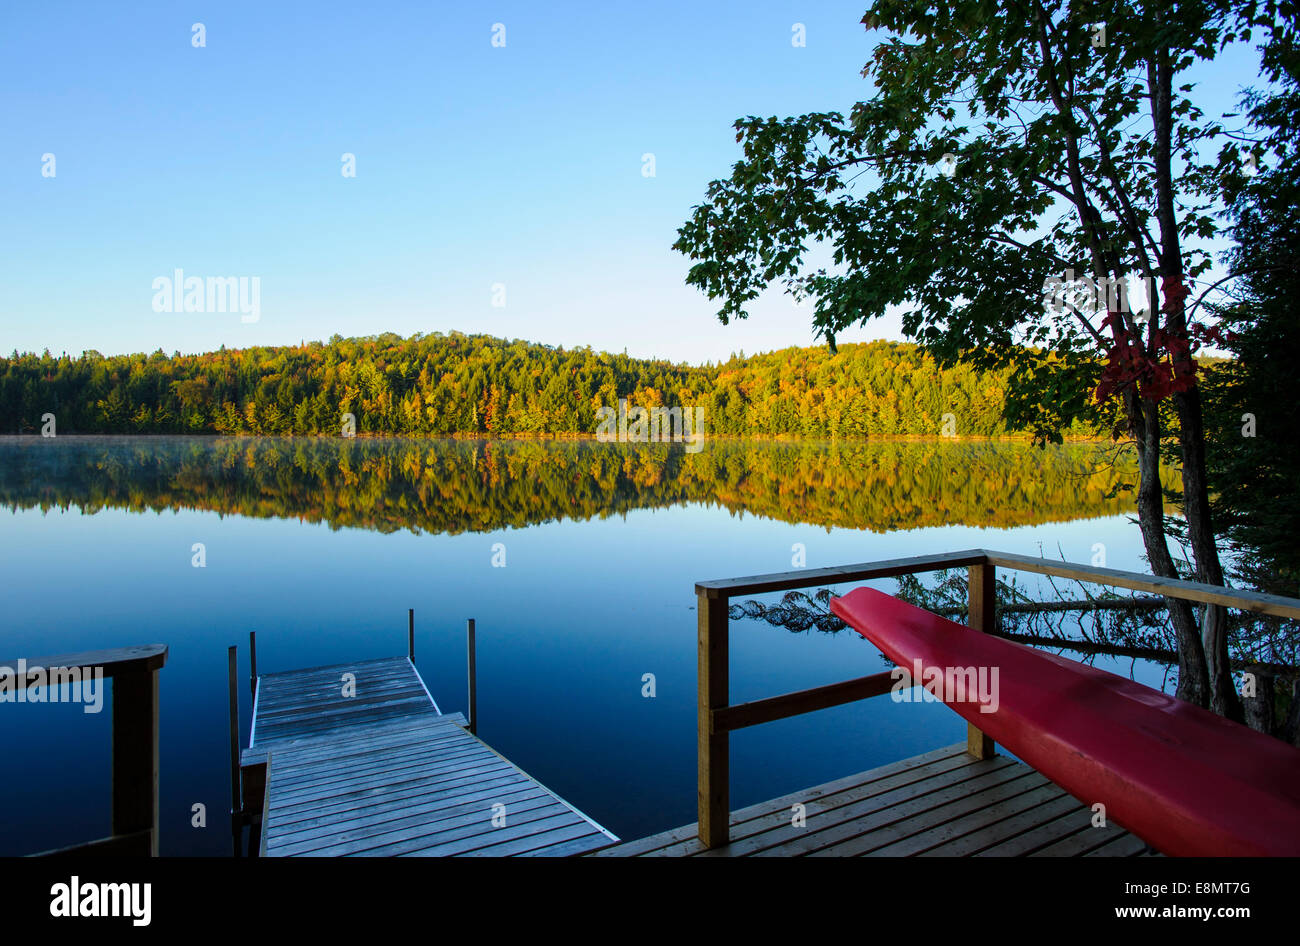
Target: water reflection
pixel 457 486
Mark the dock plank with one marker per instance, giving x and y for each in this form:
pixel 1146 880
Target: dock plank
pixel 942 803
pixel 382 772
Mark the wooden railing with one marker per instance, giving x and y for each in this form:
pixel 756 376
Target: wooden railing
pixel 134 672
pixel 717 717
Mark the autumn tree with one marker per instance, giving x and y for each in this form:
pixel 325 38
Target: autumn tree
pixel 1007 145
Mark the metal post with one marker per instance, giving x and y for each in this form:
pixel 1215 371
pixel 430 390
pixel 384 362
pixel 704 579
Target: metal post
pixel 410 634
pixel 236 808
pixel 473 682
pixel 252 664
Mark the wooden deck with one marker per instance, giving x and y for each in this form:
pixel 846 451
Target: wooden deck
pixel 944 803
pixel 384 772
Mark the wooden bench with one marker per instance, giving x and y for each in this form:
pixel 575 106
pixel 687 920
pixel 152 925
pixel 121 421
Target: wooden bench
pixel 1186 781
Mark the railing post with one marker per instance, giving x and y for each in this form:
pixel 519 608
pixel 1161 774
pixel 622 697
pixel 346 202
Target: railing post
pixel 981 617
pixel 473 678
pixel 714 755
pixel 252 664
pixel 410 634
pixel 135 754
pixel 236 806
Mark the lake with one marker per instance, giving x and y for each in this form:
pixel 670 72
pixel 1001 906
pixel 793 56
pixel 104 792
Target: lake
pixel 576 559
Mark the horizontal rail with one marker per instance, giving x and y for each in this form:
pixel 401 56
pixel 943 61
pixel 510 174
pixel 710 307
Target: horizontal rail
pixel 806 577
pixel 1166 587
pixel 802 701
pixel 136 844
pixel 111 663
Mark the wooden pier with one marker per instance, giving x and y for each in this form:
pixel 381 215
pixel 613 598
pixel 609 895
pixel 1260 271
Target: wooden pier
pixel 945 803
pixel 357 759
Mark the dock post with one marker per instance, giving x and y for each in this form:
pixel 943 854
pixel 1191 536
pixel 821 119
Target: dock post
pixel 473 678
pixel 252 664
pixel 236 809
pixel 714 745
pixel 981 589
pixel 410 634
pixel 135 755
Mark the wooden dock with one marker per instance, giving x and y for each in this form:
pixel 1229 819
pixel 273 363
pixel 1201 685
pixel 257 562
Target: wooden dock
pixel 945 803
pixel 379 770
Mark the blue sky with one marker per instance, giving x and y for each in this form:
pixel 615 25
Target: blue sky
pixel 475 165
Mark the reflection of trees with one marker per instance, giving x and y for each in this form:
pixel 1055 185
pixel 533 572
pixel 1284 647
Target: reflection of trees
pixel 459 486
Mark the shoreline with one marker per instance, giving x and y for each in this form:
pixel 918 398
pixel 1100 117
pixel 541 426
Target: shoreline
pixel 571 437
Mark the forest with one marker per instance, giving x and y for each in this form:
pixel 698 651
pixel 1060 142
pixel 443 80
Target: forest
pixel 441 385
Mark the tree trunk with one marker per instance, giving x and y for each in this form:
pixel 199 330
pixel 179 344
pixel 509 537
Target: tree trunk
pixel 1259 709
pixel 1291 729
pixel 1223 698
pixel 1191 432
pixel 1196 508
pixel 1194 672
pixel 1144 424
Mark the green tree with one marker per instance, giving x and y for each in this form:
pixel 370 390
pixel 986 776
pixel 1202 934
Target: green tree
pixel 1009 143
pixel 1255 455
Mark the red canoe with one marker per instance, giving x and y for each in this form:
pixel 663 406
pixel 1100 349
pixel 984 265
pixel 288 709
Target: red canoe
pixel 1186 781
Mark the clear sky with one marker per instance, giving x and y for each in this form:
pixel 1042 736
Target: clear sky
pixel 475 165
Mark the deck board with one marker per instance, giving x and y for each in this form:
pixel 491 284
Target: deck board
pixel 943 803
pixel 383 772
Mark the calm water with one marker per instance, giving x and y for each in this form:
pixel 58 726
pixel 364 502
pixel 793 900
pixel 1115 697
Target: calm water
pixel 321 546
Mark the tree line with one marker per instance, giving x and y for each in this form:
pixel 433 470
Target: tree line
pixel 440 385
